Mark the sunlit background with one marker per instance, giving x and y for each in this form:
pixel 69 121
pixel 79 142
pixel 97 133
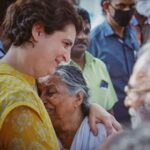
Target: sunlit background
pixel 94 9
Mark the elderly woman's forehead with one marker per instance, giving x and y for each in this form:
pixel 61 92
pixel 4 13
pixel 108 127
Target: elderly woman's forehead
pixel 55 79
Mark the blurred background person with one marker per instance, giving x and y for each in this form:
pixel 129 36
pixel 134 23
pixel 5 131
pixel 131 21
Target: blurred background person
pixel 141 21
pixel 115 43
pixel 138 89
pixel 3 7
pixel 66 98
pixel 137 139
pixel 94 70
pixel 138 101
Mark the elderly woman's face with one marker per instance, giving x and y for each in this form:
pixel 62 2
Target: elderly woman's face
pixel 52 49
pixel 59 102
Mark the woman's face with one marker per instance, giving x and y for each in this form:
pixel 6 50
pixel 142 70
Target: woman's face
pixel 58 101
pixel 52 49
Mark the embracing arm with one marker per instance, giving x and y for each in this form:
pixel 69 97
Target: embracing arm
pixel 99 114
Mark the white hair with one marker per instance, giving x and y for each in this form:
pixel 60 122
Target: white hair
pixel 143 7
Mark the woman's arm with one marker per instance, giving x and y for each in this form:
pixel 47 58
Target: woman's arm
pixel 99 114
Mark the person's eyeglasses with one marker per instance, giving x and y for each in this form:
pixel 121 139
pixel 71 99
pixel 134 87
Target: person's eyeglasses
pixel 129 89
pixel 134 94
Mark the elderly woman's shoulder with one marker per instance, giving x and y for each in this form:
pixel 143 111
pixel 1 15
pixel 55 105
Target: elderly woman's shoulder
pixel 100 126
pixel 85 139
pixel 89 137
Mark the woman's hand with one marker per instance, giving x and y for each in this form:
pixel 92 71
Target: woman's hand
pixel 99 114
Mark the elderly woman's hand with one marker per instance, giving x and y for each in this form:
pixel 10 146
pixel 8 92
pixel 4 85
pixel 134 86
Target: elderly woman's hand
pixel 99 114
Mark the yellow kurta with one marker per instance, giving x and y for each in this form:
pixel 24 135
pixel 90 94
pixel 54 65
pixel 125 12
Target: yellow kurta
pixel 24 122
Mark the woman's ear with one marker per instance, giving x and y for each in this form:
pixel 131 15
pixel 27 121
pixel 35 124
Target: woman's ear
pixel 79 98
pixel 37 30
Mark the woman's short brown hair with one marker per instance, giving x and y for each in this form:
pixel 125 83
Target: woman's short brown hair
pixel 23 14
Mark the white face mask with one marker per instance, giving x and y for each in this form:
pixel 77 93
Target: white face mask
pixel 143 7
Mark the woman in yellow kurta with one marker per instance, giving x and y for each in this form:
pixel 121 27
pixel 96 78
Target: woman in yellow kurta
pixel 24 122
pixel 40 34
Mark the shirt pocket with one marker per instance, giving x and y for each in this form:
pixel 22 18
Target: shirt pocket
pixel 100 93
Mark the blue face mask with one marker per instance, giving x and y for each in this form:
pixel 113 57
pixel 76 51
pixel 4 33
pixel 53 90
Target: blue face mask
pixel 122 17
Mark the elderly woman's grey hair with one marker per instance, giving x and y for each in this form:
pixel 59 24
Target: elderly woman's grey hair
pixel 75 82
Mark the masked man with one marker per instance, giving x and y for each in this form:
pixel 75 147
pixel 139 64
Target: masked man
pixel 115 43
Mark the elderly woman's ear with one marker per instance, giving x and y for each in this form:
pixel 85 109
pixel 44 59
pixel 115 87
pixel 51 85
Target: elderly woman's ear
pixel 79 99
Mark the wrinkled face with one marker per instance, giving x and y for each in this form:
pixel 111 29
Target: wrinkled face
pixel 82 40
pixel 138 92
pixel 52 49
pixel 59 102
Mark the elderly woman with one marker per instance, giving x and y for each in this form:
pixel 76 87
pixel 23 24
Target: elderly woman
pixel 65 96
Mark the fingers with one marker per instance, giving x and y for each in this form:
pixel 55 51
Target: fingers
pixel 99 114
pixel 112 125
pixel 117 125
pixel 109 126
pixel 92 124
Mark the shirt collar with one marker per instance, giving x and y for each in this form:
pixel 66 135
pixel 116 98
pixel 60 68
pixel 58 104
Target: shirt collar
pixel 89 58
pixel 108 29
